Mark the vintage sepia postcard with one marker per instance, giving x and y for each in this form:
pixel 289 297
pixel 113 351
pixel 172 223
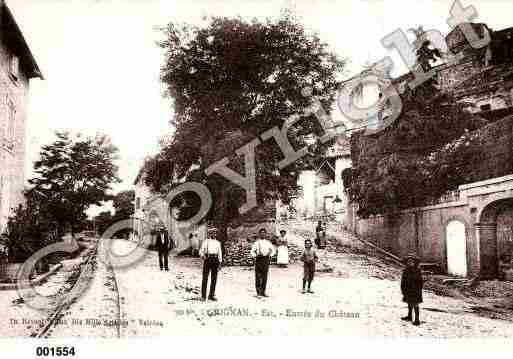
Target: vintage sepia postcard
pixel 255 168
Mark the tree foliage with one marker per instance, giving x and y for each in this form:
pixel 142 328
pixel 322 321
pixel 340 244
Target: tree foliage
pixel 123 203
pixel 28 229
pixel 418 158
pixel 71 175
pixel 231 81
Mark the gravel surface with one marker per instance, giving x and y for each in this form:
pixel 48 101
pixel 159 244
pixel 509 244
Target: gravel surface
pixel 356 298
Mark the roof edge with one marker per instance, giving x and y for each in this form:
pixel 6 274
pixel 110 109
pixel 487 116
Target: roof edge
pixel 34 71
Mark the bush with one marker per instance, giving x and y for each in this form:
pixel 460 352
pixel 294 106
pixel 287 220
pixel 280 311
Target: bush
pixel 27 232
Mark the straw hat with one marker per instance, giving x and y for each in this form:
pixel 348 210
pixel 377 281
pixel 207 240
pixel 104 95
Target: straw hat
pixel 212 232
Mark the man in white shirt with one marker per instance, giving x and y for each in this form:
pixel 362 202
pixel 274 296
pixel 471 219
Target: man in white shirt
pixel 262 250
pixel 212 257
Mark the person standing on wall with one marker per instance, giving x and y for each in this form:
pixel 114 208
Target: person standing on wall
pixel 212 257
pixel 163 246
pixel 262 250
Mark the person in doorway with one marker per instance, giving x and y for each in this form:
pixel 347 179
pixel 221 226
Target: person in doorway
pixel 212 256
pixel 309 257
pixel 163 246
pixel 283 250
pixel 411 287
pixel 194 243
pixel 262 250
pixel 318 234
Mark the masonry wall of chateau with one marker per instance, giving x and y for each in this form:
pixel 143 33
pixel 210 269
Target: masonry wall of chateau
pixel 449 77
pixel 12 148
pixel 422 230
pixel 495 157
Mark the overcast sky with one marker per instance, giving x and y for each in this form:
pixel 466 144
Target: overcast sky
pixel 101 64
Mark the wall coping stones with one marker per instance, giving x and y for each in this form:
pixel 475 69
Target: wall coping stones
pixel 36 281
pixel 486 182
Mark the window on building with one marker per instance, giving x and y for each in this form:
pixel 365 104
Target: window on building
pixel 137 203
pixel 486 107
pixel 328 205
pixel 14 67
pixel 11 124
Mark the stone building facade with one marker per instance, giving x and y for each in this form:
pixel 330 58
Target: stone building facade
pixel 482 79
pixel 17 67
pixel 322 193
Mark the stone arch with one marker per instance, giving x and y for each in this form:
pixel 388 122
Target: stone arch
pixel 490 249
pixel 181 235
pixel 481 216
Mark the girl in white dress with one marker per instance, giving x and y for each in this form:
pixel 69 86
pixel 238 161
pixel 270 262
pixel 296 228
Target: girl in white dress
pixel 283 250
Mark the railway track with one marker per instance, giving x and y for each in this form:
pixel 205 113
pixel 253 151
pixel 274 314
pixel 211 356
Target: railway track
pixel 94 310
pixel 85 270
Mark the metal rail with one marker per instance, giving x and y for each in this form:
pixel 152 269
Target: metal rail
pixel 53 318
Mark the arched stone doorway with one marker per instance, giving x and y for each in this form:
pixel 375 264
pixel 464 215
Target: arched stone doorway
pixel 495 229
pixel 505 232
pixel 180 229
pixel 456 248
pixel 154 219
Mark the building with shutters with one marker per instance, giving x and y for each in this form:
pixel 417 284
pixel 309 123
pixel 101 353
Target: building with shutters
pixel 17 67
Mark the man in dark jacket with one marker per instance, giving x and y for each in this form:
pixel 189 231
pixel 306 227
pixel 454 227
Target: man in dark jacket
pixel 411 287
pixel 163 245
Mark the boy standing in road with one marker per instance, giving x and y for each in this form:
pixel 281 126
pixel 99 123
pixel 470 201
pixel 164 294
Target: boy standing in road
pixel 309 257
pixel 411 287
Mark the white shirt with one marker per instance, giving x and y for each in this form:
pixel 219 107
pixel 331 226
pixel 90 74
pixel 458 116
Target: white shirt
pixel 211 246
pixel 262 247
pixel 194 241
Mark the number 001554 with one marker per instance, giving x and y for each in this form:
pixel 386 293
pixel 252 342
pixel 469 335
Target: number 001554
pixel 55 351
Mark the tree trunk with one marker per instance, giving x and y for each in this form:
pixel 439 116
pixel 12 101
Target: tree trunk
pixel 221 222
pixel 222 234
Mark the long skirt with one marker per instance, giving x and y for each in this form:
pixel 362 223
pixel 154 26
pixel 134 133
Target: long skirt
pixel 283 255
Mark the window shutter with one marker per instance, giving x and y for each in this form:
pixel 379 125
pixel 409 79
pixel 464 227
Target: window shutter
pixel 4 124
pixel 15 66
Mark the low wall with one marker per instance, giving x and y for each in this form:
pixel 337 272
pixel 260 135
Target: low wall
pixel 238 245
pixel 421 230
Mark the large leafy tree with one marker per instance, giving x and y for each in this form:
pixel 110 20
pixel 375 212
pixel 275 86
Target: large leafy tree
pixel 123 203
pixel 73 173
pixel 231 81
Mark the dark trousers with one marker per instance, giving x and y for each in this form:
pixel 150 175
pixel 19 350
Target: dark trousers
pixel 309 271
pixel 261 272
pixel 210 265
pixel 163 259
